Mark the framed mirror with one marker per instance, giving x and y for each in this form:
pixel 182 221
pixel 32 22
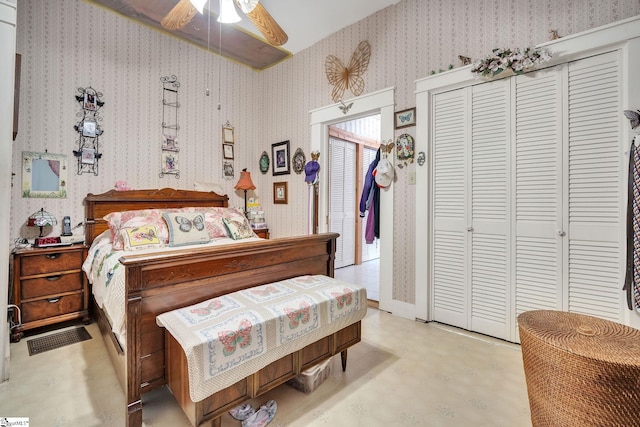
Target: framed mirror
pixel 44 175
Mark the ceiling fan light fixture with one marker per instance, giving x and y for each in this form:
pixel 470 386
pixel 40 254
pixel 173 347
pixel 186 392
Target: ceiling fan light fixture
pixel 199 5
pixel 228 14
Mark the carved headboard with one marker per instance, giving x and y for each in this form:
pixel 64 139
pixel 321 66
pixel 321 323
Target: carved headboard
pixel 96 206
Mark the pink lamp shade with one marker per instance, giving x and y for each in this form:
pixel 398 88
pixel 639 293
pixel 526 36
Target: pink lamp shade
pixel 245 183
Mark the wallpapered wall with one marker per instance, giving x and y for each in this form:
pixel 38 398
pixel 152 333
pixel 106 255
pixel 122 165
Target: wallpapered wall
pixel 70 43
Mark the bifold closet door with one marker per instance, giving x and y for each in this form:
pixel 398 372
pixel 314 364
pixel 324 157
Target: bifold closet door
pixel 471 193
pixel 489 205
pixel 450 136
pixel 595 181
pixel 538 192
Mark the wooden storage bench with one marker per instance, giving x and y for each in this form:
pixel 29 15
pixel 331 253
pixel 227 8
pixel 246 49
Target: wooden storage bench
pixel 254 385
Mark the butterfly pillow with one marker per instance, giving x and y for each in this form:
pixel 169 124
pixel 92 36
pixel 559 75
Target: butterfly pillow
pixel 186 228
pixel 238 228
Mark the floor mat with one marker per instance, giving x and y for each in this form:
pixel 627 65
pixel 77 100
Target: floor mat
pixel 60 339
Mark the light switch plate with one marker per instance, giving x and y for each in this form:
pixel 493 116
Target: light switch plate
pixel 412 178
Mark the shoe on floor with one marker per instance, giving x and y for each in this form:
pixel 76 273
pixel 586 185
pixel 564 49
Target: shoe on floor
pixel 263 416
pixel 242 412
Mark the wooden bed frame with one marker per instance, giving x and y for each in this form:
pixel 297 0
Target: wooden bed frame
pixel 169 280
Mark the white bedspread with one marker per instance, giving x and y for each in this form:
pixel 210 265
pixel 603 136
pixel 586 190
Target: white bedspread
pixel 106 275
pixel 228 338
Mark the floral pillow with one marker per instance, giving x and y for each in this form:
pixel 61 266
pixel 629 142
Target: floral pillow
pixel 186 228
pixel 143 237
pixel 120 220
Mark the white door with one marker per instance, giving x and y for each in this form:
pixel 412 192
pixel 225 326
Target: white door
pixel 449 148
pixel 538 192
pixel 595 178
pixel 342 199
pixel 489 204
pixel 471 203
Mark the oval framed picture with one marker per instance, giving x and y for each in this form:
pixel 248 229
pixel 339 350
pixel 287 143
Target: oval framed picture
pixel 264 162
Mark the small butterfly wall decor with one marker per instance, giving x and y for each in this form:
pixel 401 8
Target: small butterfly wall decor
pixel 349 77
pixel 405 118
pixel 386 148
pixel 634 117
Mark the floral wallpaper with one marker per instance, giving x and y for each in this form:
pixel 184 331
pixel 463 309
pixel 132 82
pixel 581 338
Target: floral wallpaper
pixel 68 44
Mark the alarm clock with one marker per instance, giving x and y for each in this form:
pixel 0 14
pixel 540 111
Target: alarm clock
pixel 43 242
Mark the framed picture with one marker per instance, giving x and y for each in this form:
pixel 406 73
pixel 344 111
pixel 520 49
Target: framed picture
pixel 281 158
pixel 89 128
pixel 280 193
pixel 170 143
pixel 88 156
pixel 227 134
pixel 227 169
pixel 169 162
pixel 89 102
pixel 227 150
pixel 405 118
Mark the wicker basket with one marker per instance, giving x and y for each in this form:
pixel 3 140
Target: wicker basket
pixel 580 370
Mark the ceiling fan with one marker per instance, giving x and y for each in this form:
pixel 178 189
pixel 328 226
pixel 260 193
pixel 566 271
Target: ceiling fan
pixel 184 11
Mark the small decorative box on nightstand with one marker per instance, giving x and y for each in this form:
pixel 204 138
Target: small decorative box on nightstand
pixel 49 286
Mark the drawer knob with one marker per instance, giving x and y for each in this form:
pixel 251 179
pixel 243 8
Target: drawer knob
pixel 53 300
pixel 54 278
pixel 52 256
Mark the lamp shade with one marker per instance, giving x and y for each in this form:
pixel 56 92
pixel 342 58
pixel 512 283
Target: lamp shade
pixel 41 219
pixel 245 183
pixel 228 14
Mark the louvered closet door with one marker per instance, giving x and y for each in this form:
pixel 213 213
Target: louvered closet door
pixel 490 311
pixel 594 180
pixel 449 139
pixel 342 199
pixel 538 272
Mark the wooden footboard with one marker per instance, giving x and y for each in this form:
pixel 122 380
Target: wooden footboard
pixel 161 283
pixel 254 385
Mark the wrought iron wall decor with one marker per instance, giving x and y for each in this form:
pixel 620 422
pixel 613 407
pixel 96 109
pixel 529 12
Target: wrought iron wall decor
pixel 89 130
pixel 170 127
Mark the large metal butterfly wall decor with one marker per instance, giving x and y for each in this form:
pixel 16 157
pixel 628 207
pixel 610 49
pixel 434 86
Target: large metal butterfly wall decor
pixel 349 77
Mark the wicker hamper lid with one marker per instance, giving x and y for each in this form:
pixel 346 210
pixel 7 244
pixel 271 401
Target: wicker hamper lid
pixel 584 335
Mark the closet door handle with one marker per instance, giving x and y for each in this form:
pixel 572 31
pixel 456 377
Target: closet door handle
pixel 561 233
pixel 470 229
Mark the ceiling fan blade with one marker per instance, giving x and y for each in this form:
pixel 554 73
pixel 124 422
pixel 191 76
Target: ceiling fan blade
pixel 268 26
pixel 179 16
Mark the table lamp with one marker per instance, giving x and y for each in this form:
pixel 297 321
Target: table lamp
pixel 245 183
pixel 41 219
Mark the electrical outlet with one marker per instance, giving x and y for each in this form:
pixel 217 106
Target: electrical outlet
pixel 412 178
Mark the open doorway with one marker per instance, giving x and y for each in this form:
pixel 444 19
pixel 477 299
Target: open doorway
pixel 352 149
pixel 379 102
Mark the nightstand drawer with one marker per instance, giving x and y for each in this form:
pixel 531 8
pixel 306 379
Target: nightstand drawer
pixel 51 262
pixel 51 285
pixel 50 307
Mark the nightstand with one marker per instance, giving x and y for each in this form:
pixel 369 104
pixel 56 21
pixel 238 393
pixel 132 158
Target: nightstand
pixel 263 233
pixel 49 286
